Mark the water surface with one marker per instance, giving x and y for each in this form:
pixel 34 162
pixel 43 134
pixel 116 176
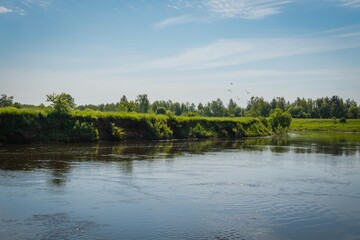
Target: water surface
pixel 303 186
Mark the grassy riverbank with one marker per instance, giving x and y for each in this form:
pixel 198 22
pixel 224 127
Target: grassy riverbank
pixel 326 125
pixel 36 125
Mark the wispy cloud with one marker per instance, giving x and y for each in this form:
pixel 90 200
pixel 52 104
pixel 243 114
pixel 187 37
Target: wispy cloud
pixel 5 10
pixel 350 3
pixel 233 52
pixel 246 9
pixel 223 9
pixel 40 3
pixel 174 21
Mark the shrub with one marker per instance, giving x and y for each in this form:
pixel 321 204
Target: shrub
pixel 342 120
pixel 159 128
pixel 117 133
pixel 199 132
pixel 84 131
pixel 62 103
pixel 280 121
pixel 160 110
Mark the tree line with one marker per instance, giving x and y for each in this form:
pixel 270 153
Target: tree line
pixel 325 107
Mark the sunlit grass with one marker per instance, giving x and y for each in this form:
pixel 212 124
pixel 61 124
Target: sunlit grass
pixel 23 111
pixel 330 125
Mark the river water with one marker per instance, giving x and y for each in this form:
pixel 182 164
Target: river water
pixel 303 186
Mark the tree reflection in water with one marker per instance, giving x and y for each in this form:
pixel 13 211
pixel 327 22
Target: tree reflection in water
pixel 61 158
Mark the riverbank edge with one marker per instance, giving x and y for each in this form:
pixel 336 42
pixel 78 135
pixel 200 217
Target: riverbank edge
pixel 29 126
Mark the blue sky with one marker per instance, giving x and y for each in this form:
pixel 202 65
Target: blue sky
pixel 180 50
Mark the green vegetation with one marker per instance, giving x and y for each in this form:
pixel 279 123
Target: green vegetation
pixel 6 101
pixel 280 121
pixel 325 108
pixel 29 125
pixel 327 125
pixel 62 103
pixel 140 119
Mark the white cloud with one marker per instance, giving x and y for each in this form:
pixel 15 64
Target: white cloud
pixel 247 9
pixel 223 9
pixel 5 10
pixel 233 52
pixel 40 3
pixel 174 21
pixel 350 3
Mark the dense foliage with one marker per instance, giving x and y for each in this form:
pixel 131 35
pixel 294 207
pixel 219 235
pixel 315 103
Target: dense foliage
pixel 257 106
pixel 280 120
pixel 62 103
pixel 325 107
pixel 141 119
pixel 29 125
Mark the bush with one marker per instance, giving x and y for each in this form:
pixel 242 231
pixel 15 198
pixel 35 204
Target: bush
pixel 62 103
pixel 117 133
pixel 199 132
pixel 84 131
pixel 159 128
pixel 160 110
pixel 280 121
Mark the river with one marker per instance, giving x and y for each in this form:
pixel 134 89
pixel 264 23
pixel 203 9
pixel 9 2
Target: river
pixel 300 186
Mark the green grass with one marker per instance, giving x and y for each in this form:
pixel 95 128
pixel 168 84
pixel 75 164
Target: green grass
pixel 23 111
pixel 326 125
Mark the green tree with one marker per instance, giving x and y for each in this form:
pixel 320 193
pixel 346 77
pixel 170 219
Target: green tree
pixel 278 102
pixel 6 101
pixel 176 108
pixel 62 103
pixel 217 108
pixel 353 112
pixel 233 109
pixel 336 107
pixel 143 103
pixel 161 110
pixel 324 110
pixel 258 107
pixel 279 120
pixel 125 105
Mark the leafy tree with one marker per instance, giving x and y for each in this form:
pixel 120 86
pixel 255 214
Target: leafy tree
pixel 62 103
pixel 297 112
pixel 336 107
pixel 279 120
pixel 258 107
pixel 353 112
pixel 6 101
pixel 184 108
pixel 177 109
pixel 278 102
pixel 233 109
pixel 161 110
pixel 217 108
pixel 125 105
pixel 324 110
pixel 143 103
pixel 207 111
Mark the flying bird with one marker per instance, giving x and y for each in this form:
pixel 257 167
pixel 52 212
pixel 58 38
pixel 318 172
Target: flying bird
pixel 229 90
pixel 247 91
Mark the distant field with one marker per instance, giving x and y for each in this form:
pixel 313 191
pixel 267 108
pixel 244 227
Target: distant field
pixel 351 125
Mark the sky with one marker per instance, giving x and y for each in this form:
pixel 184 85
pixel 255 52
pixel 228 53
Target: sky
pixel 179 50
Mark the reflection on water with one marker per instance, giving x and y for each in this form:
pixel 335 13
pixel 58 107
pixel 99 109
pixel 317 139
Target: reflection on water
pixel 57 157
pixel 300 186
